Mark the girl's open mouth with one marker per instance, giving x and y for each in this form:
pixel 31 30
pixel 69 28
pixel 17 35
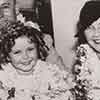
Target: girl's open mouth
pixel 97 41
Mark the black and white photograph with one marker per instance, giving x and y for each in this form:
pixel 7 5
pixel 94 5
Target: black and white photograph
pixel 49 50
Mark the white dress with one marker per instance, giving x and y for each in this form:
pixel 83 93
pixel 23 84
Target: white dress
pixel 45 83
pixel 87 73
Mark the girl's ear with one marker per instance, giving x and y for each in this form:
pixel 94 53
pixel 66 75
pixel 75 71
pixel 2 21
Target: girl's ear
pixel 8 59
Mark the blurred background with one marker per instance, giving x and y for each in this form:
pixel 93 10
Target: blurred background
pixel 65 17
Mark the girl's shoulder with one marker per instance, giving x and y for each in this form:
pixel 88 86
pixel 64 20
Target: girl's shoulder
pixel 3 77
pixel 6 70
pixel 2 73
pixel 52 71
pixel 47 67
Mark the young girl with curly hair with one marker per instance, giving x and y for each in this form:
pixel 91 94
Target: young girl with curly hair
pixel 24 75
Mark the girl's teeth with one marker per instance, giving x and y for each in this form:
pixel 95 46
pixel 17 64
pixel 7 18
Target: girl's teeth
pixel 97 41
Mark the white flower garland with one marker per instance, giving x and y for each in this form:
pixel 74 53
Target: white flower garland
pixel 87 72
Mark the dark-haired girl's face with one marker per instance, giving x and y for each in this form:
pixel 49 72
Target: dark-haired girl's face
pixel 24 54
pixel 92 34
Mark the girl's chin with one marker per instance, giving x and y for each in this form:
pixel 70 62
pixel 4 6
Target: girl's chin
pixel 96 47
pixel 25 69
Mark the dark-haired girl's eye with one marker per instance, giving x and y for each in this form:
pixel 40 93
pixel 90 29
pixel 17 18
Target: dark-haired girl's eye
pixel 91 27
pixel 16 52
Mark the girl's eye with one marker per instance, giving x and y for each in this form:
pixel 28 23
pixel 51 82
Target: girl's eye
pixel 92 27
pixel 30 49
pixel 16 52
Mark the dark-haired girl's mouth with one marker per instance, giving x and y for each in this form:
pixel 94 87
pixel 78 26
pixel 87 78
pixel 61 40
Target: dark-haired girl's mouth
pixel 97 41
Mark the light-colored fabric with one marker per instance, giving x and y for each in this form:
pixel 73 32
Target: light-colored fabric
pixel 87 68
pixel 46 82
pixel 54 58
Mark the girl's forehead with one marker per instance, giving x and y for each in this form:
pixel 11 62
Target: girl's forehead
pixel 22 43
pixel 96 23
pixel 23 40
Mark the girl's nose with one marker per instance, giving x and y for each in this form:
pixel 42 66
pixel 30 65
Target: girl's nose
pixel 25 56
pixel 97 33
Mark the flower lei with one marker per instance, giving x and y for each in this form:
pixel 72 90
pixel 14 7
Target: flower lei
pixel 54 90
pixel 86 70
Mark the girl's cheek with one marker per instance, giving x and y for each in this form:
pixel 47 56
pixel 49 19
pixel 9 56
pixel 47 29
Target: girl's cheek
pixel 33 53
pixel 17 59
pixel 89 35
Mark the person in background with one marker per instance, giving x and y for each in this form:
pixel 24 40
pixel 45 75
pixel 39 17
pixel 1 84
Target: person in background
pixel 7 12
pixel 86 68
pixel 53 56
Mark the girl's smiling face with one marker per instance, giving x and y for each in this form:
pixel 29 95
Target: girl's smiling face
pixel 92 35
pixel 24 54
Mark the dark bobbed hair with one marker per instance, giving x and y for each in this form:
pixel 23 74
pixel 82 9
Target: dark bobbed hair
pixel 88 14
pixel 12 31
